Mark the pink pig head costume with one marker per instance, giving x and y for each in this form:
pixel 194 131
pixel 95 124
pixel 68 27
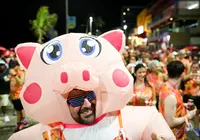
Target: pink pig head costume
pixel 87 63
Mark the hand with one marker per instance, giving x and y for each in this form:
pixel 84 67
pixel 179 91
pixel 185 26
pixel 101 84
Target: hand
pixel 192 113
pixel 12 72
pixel 156 137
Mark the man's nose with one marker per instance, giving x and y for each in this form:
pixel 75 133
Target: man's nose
pixel 86 103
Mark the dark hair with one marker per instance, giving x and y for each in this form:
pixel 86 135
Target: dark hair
pixel 138 66
pixel 175 69
pixel 13 64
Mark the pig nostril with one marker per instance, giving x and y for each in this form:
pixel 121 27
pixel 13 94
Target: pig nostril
pixel 64 77
pixel 86 75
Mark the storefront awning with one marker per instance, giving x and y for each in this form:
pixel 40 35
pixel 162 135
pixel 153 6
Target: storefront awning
pixel 154 39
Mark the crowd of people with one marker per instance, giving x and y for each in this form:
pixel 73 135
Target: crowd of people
pixel 11 81
pixel 170 80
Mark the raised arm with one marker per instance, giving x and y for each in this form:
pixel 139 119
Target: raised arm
pixel 170 111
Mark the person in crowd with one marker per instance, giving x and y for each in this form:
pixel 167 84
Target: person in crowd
pixel 195 58
pixel 83 99
pixel 170 58
pixel 144 91
pixel 4 88
pixel 146 60
pixel 126 57
pixel 186 63
pixel 17 75
pixel 171 104
pixel 192 91
pixel 155 76
pixel 193 70
pixel 133 59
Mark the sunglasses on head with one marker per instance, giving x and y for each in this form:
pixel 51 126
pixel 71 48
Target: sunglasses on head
pixel 78 101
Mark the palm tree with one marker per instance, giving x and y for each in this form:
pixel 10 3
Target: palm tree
pixel 44 23
pixel 99 23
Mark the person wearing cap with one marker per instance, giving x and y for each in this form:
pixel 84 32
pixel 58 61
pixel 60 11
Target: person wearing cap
pixel 4 88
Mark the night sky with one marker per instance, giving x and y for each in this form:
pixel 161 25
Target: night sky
pixel 15 16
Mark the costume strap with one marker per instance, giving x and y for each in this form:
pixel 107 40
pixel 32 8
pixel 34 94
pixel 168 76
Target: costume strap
pixel 120 119
pixel 63 125
pixel 121 130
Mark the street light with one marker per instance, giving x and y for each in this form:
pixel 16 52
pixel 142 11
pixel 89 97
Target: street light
pixel 66 12
pixel 90 21
pixel 125 27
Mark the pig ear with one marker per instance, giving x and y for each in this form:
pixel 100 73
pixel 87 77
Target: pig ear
pixel 25 53
pixel 116 38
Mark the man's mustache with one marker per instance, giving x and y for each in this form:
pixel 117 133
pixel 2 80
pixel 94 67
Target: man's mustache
pixel 85 109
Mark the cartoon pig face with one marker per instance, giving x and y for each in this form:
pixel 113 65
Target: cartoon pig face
pixel 73 61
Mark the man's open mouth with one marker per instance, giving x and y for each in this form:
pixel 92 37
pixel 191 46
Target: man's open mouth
pixel 87 113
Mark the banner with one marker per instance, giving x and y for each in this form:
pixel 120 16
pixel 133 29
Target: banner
pixel 71 22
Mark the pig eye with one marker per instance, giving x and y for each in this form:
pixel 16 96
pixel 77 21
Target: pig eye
pixel 52 53
pixel 89 47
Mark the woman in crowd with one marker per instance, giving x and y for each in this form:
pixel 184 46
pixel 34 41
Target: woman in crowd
pixel 17 76
pixel 171 103
pixel 143 91
pixel 192 91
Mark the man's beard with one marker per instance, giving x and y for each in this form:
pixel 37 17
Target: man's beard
pixel 90 118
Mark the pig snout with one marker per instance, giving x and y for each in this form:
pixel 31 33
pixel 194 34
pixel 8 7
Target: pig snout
pixel 75 76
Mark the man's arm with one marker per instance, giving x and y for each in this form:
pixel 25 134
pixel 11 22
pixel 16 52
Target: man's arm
pixel 170 112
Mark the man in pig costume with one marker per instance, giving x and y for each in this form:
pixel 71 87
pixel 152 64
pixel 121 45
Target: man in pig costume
pixel 79 85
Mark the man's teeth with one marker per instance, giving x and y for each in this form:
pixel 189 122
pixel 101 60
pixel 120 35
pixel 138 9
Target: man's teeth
pixel 86 112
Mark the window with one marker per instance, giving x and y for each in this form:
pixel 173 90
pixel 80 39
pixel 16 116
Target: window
pixel 190 5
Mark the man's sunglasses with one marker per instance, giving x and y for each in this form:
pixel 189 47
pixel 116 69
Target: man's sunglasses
pixel 78 101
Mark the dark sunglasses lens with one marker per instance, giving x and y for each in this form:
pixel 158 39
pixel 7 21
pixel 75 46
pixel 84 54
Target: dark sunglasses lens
pixel 75 102
pixel 80 100
pixel 91 96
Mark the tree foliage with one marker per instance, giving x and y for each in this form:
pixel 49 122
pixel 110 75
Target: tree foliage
pixel 44 23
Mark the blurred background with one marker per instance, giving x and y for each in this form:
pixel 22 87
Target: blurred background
pixel 148 24
pixel 154 29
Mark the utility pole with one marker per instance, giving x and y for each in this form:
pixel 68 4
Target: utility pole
pixel 66 12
